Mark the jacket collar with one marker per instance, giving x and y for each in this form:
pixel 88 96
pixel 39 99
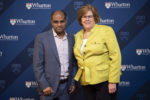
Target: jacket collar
pixel 92 31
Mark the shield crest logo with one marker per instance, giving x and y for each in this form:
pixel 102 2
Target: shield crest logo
pixel 28 6
pixel 12 21
pixel 140 20
pixel 123 67
pixel 107 5
pixel 77 4
pixel 30 52
pixel 124 36
pixel 28 84
pixel 139 51
pixel 16 68
pixel 2 83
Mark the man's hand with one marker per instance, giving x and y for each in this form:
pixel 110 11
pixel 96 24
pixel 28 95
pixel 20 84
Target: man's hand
pixel 47 91
pixel 112 88
pixel 71 89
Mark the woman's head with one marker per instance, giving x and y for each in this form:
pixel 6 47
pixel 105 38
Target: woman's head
pixel 88 14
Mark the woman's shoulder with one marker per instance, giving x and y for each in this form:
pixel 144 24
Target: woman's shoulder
pixel 79 33
pixel 103 27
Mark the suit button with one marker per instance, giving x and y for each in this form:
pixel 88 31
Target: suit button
pixel 84 45
pixel 83 59
pixel 82 67
pixel 84 52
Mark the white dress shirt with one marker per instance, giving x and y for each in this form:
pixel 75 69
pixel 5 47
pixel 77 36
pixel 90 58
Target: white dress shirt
pixel 62 48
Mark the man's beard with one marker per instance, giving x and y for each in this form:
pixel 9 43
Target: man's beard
pixel 60 32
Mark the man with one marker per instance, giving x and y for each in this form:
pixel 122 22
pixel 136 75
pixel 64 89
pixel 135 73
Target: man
pixel 53 60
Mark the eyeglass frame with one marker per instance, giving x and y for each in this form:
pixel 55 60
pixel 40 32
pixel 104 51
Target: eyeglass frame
pixel 89 17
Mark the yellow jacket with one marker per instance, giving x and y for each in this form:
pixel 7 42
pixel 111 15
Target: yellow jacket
pixel 101 59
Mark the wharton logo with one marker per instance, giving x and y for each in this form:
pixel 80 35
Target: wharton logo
pixel 140 20
pixel 141 96
pixel 123 67
pixel 28 84
pixel 37 6
pixel 140 52
pixel 1 5
pixel 31 84
pixel 28 6
pixel 124 36
pixel 109 5
pixel 106 21
pixel 16 68
pixel 4 37
pixel 20 98
pixel 30 52
pixel 77 4
pixel 2 84
pixel 131 67
pixel 22 22
pixel 12 21
pixel 124 83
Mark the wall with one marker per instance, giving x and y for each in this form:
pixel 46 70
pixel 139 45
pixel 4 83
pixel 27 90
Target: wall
pixel 21 20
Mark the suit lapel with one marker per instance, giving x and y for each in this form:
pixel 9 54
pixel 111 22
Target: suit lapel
pixel 69 46
pixel 53 44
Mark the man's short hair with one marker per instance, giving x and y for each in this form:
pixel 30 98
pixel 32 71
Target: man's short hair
pixel 65 15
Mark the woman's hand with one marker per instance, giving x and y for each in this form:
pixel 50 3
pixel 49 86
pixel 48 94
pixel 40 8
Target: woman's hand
pixel 112 88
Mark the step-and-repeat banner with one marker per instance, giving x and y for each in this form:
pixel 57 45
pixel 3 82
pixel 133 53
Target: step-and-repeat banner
pixel 21 20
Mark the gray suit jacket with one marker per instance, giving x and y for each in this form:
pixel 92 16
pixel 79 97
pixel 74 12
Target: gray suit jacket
pixel 46 64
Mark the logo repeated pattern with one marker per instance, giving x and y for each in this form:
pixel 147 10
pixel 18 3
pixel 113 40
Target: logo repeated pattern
pixel 27 18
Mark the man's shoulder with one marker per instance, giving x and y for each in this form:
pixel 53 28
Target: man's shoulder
pixel 70 35
pixel 44 33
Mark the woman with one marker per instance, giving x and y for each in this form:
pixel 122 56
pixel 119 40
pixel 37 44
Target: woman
pixel 98 56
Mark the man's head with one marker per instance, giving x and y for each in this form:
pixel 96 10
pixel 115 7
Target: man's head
pixel 58 21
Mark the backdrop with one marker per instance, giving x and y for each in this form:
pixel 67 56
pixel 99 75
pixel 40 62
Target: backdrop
pixel 21 20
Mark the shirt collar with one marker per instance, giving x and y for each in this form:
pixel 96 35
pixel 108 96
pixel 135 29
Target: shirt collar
pixel 55 34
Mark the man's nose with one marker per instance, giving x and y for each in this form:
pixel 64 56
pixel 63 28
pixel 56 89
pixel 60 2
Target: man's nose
pixel 59 24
